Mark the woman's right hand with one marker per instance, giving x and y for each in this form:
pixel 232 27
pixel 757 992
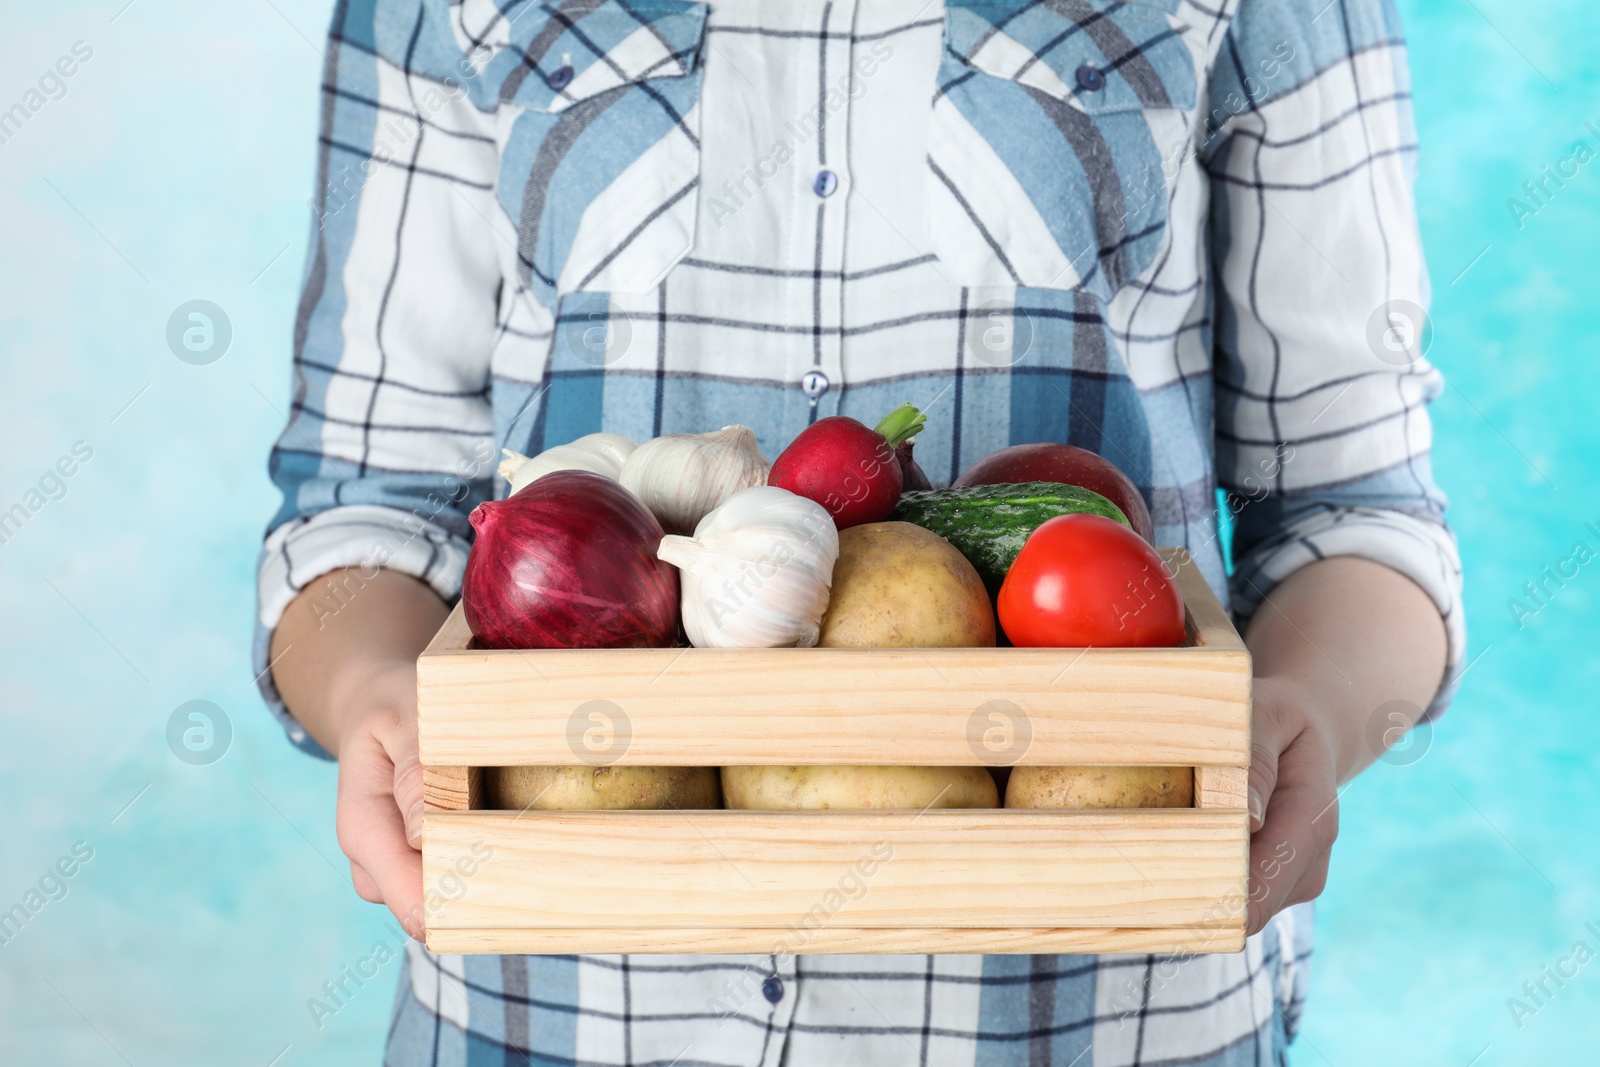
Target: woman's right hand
pixel 379 816
pixel 350 677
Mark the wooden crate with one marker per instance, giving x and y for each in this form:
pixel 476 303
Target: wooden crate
pixel 1150 880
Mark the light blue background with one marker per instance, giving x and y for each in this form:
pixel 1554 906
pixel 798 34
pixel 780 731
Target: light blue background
pixel 177 166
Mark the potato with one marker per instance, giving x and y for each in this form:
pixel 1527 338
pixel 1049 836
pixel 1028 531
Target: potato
pixel 602 788
pixel 1100 787
pixel 895 586
pixel 899 586
pixel 878 788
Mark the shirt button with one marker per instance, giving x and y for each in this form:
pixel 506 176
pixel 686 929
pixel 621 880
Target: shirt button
pixel 814 384
pixel 560 78
pixel 1091 78
pixel 772 989
pixel 827 181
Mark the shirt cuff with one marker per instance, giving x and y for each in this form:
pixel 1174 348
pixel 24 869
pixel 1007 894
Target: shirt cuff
pixel 1422 549
pixel 366 538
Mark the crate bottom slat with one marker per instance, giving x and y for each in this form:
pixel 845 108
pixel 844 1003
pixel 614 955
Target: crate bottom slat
pixel 764 941
pixel 630 880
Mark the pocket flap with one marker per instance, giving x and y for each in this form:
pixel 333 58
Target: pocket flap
pixel 549 56
pixel 1097 55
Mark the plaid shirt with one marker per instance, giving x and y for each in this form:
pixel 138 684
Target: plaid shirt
pixel 1176 234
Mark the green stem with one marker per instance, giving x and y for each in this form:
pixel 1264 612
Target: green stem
pixel 901 425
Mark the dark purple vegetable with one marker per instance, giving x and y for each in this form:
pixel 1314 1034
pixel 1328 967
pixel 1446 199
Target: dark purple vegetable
pixel 569 562
pixel 915 478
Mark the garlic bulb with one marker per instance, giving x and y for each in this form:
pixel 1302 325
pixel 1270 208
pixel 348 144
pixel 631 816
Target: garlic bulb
pixel 681 477
pixel 598 453
pixel 757 571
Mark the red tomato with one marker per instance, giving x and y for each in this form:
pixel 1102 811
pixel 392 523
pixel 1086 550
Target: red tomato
pixel 1083 580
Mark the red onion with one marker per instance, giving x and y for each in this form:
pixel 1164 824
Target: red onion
pixel 915 477
pixel 569 562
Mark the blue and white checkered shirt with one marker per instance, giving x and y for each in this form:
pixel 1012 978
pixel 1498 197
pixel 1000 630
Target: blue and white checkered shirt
pixel 1180 235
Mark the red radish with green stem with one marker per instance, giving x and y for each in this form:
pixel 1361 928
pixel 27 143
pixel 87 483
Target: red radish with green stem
pixel 853 472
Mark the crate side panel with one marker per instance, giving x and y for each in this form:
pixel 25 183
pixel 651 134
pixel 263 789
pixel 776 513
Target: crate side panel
pixel 710 707
pixel 1209 623
pixel 666 870
pixel 454 635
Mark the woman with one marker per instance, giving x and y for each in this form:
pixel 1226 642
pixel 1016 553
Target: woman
pixel 1178 236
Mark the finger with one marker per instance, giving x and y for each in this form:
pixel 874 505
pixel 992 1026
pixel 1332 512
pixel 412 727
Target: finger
pixel 1311 883
pixel 1308 886
pixel 408 790
pixel 372 832
pixel 1297 837
pixel 366 888
pixel 398 736
pixel 1265 744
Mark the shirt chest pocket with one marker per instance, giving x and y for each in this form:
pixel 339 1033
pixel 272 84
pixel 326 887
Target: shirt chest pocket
pixel 1054 125
pixel 598 104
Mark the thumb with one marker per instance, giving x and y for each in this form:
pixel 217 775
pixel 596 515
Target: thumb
pixel 408 785
pixel 1264 749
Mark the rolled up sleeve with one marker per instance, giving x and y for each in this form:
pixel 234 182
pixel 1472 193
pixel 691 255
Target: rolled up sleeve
pixel 1322 385
pixel 389 440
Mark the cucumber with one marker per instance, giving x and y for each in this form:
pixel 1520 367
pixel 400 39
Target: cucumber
pixel 990 523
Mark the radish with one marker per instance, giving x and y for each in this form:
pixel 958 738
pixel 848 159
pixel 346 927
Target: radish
pixel 853 472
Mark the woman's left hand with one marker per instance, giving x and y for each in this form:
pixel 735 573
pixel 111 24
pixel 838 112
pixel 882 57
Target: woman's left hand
pixel 1333 645
pixel 1293 800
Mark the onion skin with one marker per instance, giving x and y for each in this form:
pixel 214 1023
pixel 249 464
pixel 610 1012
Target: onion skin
pixel 911 472
pixel 569 562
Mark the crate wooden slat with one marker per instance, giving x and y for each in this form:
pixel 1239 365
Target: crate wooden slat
pixel 1169 880
pixel 1221 937
pixel 721 707
pixel 944 869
